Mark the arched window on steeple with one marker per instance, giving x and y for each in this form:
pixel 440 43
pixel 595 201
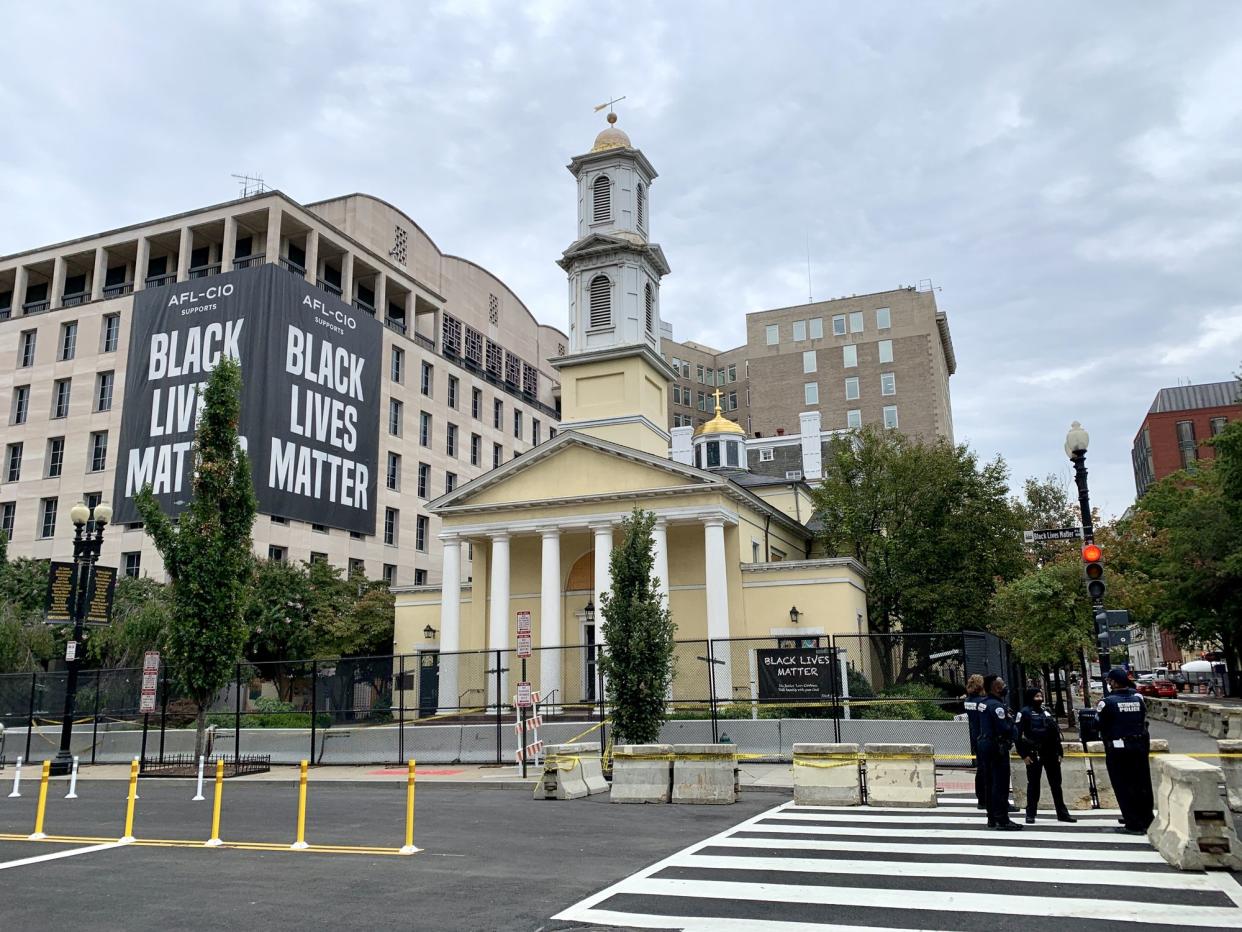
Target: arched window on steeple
pixel 642 206
pixel 650 299
pixel 602 194
pixel 601 302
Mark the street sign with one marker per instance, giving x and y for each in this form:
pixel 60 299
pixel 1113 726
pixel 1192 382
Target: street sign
pixel 71 651
pixel 1051 533
pixel 523 624
pixel 523 646
pixel 150 681
pixel 523 695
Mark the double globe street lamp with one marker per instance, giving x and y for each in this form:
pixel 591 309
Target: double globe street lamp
pixel 88 533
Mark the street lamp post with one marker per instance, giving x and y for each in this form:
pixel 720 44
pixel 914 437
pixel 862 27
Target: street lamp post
pixel 1076 449
pixel 87 539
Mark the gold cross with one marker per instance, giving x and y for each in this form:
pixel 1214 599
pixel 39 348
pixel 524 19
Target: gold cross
pixel 716 394
pixel 609 104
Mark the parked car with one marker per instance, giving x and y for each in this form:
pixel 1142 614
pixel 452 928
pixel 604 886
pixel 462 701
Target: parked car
pixel 1163 689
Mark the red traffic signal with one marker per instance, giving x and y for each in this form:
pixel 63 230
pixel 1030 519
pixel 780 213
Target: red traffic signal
pixel 1092 553
pixel 1093 569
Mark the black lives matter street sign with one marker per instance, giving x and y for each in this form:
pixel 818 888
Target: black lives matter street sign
pixel 800 673
pixel 310 398
pixel 1051 533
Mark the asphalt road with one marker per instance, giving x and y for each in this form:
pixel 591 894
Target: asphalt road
pixel 493 858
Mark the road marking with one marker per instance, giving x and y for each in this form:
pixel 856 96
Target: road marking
pixel 55 855
pixel 1048 854
pixel 720 924
pixel 1109 838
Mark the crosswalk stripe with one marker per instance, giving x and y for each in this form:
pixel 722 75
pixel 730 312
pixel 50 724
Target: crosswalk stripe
pixel 1093 838
pixel 950 818
pixel 1049 854
pixel 710 923
pixel 1102 815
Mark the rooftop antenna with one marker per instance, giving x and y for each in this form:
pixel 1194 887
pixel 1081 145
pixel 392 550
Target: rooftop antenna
pixel 251 184
pixel 810 296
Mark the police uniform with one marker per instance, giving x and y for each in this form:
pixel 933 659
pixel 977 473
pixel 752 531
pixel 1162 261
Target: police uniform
pixel 996 734
pixel 1123 729
pixel 973 705
pixel 1038 739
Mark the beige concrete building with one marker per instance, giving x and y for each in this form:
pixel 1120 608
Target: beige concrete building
pixel 882 358
pixel 465 387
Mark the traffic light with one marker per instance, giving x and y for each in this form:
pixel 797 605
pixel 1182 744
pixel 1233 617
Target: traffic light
pixel 1093 568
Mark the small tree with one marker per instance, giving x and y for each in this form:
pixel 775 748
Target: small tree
pixel 207 551
pixel 638 630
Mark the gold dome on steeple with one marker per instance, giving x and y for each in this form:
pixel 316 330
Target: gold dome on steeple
pixel 611 138
pixel 719 424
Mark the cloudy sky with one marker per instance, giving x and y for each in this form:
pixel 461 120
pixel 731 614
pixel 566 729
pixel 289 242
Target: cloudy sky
pixel 1067 175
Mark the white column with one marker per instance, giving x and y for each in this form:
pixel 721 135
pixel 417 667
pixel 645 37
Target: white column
pixel 272 242
pixel 20 280
pixel 140 263
pixel 381 295
pixel 347 277
pixel 184 248
pixel 58 282
pixel 659 537
pixel 550 655
pixel 100 275
pixel 603 583
pixel 498 616
pixel 229 246
pixel 450 622
pixel 717 582
pixel 312 256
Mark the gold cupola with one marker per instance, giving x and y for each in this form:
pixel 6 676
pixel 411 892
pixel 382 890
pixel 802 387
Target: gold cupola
pixel 611 138
pixel 720 443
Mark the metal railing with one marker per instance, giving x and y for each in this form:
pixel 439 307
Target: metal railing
pixel 290 266
pixel 202 271
pixel 115 291
pixel 73 300
pixel 395 323
pixel 155 281
pixel 249 262
pixel 328 287
pixel 35 307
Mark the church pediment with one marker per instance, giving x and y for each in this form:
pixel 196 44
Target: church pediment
pixel 597 244
pixel 574 467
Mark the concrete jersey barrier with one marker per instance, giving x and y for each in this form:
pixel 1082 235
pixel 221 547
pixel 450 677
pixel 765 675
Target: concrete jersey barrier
pixel 1231 769
pixel 1075 781
pixel 901 775
pixel 1103 783
pixel 826 775
pixel 704 773
pixel 642 773
pixel 565 771
pixel 1193 829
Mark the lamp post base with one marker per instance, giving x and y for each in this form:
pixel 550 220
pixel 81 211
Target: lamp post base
pixel 61 765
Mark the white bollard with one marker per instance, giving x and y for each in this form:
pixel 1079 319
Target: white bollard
pixel 198 796
pixel 73 781
pixel 17 780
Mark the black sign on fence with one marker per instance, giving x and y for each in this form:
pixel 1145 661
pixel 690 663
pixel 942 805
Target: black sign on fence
pixel 803 673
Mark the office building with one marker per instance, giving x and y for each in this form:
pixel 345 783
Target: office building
pixel 1178 421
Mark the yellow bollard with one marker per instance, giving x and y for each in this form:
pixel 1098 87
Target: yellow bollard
pixel 38 829
pixel 409 812
pixel 129 805
pixel 214 841
pixel 301 842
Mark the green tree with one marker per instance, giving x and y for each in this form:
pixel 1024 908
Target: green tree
pixel 141 614
pixel 934 528
pixel 639 631
pixel 26 642
pixel 1045 615
pixel 207 552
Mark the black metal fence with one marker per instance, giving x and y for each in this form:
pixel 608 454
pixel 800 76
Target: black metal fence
pixel 911 678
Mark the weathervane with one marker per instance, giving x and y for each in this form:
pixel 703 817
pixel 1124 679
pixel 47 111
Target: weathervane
pixel 612 117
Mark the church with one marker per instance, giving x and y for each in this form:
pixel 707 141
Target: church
pixel 736 553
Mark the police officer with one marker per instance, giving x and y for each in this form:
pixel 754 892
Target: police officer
pixel 974 700
pixel 1038 740
pixel 1123 729
pixel 996 734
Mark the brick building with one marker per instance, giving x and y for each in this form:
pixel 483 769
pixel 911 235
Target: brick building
pixel 1178 421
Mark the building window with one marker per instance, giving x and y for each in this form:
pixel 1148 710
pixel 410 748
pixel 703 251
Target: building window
pixel 698 374
pixel 396 370
pixel 1186 443
pixel 99 451
pixel 133 563
pixel 1217 424
pixel 277 519
pixel 810 393
pixel 26 355
pixel 393 478
pixel 424 428
pixel 390 526
pixel 111 332
pixel 817 328
pixel 838 325
pixel 849 356
pixel 357 567
pixel 60 398
pixel 856 322
pixel 754 551
pixel 498 453
pixel 277 554
pixel 47 518
pixel 394 417
pixel 450 440
pixel 808 361
pixel 851 389
pixel 21 404
pixel 601 302
pixel 13 462
pixel 319 528
pixel 890 417
pixel 888 383
pixel 853 419
pixel 534 431
pixel 103 390
pixel 883 319
pixel 498 414
pixel 601 191
pixel 733 372
pixel 476 403
pixel 476 446
pixel 886 351
pixel 390 574
pixel 318 557
pixel 424 479
pixel 454 388
pixel 424 379
pixel 68 341
pixel 649 302
pixel 641 198
pixel 450 482
pixel 799 330
pixel 517 424
pixel 420 577
pixel 420 533
pixel 55 458
pixel 773 334
pixel 8 516
pixel 766 455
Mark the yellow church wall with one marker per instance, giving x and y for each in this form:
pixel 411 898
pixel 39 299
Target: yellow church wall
pixel 576 471
pixel 614 388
